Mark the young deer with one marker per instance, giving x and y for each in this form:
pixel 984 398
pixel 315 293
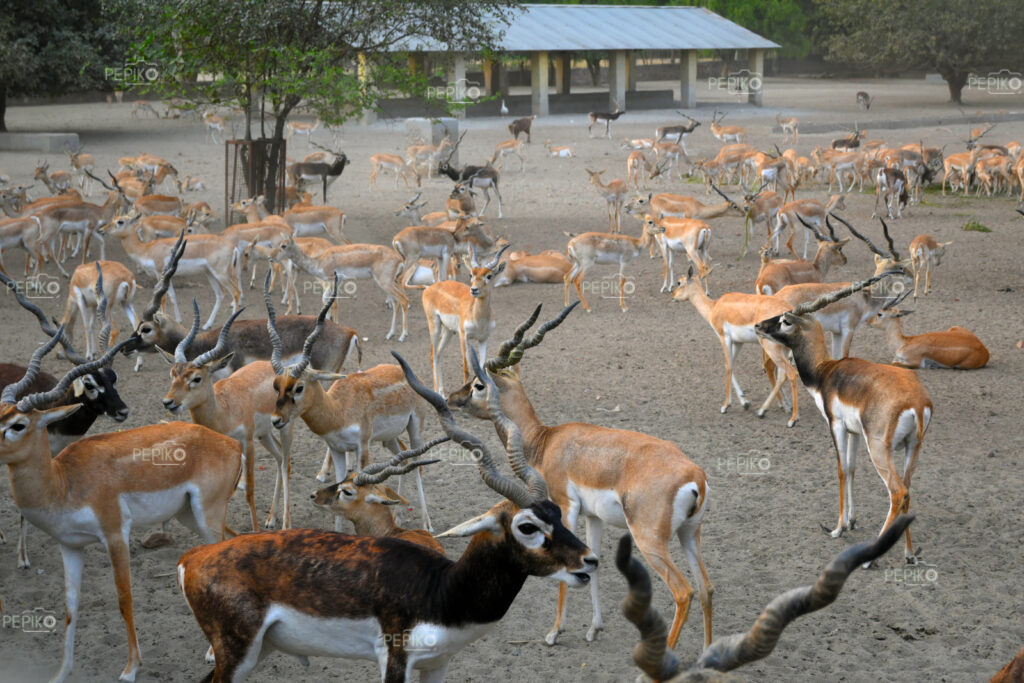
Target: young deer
pixel 614 194
pixel 925 253
pixel 955 348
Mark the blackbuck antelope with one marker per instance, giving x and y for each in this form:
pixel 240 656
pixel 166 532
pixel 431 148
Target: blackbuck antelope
pixel 80 163
pixel 364 500
pixel 521 126
pixel 602 248
pixel 733 651
pixel 57 182
pixel 376 405
pixel 325 172
pixel 733 316
pixel 726 164
pixel 240 406
pixel 508 148
pixel 452 307
pixel 484 178
pixel 790 126
pixel 310 221
pixel 427 154
pixel 957 348
pixel 301 128
pixel 778 273
pixel 374 262
pixel 851 143
pixel 215 126
pixel 118 286
pixel 609 476
pixel 99 487
pixel 726 134
pixel 397 593
pixel 762 205
pixel 82 219
pixel 884 406
pixel 864 101
pixel 681 206
pixel 925 254
pixel 891 184
pixel 210 255
pixel 614 194
pixel 397 165
pixel 412 211
pixel 26 234
pixel 678 132
pixel 606 118
pixel 884 261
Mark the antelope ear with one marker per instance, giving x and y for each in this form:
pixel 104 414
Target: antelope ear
pixel 222 363
pixel 501 267
pixel 78 386
pixel 945 244
pixel 59 413
pixel 878 259
pixel 391 497
pixel 169 357
pixel 488 521
pixel 791 319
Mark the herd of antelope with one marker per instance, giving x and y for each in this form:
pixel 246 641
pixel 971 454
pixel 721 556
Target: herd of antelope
pixel 237 381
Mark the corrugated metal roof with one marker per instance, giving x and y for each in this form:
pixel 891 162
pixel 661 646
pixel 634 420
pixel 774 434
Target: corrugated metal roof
pixel 618 27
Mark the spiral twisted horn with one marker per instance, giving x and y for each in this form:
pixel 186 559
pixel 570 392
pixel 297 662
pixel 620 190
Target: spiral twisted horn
pixel 275 338
pixel 307 348
pixel 182 347
pixel 842 293
pixel 515 353
pixel 222 342
pixel 12 391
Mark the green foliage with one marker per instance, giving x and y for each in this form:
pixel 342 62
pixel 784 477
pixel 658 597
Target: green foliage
pixel 975 226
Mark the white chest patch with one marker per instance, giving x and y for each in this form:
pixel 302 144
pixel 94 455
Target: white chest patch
pixel 602 503
pixel 80 527
pixel 741 334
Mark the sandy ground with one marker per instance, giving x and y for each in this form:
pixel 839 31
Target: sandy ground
pixel 656 368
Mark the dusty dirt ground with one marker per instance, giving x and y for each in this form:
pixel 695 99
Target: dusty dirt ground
pixel 656 368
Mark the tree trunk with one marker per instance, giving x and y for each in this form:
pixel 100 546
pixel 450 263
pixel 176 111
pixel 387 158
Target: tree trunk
pixel 281 118
pixel 955 81
pixel 3 107
pixel 594 67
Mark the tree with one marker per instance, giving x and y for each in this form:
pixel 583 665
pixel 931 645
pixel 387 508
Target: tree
pixel 50 47
pixel 332 57
pixel 954 37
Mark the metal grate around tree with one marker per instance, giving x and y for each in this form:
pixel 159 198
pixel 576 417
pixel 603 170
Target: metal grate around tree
pixel 253 168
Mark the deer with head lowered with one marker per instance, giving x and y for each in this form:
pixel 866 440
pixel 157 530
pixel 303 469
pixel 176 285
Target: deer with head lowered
pixel 376 595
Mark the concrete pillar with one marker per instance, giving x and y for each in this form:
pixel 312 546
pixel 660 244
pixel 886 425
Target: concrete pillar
pixel 688 78
pixel 539 83
pixel 755 63
pixel 369 115
pixel 563 73
pixel 617 80
pixel 631 71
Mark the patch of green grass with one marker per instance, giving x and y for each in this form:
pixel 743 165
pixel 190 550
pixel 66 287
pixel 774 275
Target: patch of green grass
pixel 975 226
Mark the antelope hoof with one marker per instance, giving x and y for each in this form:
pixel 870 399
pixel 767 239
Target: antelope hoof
pixel 388 336
pixel 760 412
pixel 745 403
pixel 403 336
pixel 157 539
pixel 552 637
pixel 724 408
pixel 834 533
pixel 592 633
pixel 210 659
pixel 912 559
pixel 24 564
pixel 128 674
pixel 271 523
pixel 792 422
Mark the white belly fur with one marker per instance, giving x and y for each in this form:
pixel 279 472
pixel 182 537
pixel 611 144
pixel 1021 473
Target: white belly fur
pixel 602 503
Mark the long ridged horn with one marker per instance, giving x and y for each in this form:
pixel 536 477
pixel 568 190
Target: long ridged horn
pixel 222 342
pixel 45 323
pixel 862 238
pixel 12 391
pixel 275 339
pixel 834 296
pixel 165 278
pixel 182 347
pixel 379 471
pixel 494 261
pixel 888 238
pixel 510 488
pixel 42 399
pixel 101 310
pixel 509 344
pixel 724 196
pixel 307 348
pixel 516 353
pixel 817 233
pixel 650 654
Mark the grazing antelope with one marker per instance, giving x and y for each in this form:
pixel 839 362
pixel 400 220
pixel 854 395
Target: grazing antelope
pixel 726 134
pixel 733 651
pixel 733 316
pixel 521 126
pixel 725 165
pixel 83 299
pixel 891 183
pixel 210 255
pixel 885 407
pixel 810 211
pixel 396 590
pixel 362 499
pixel 614 194
pixel 559 151
pixel 301 128
pixel 452 307
pixel 864 101
pixel 957 348
pixel 547 267
pixel 779 273
pixel 99 487
pixel 397 165
pixel 374 262
pixel 790 126
pixel 925 253
pixel 606 118
pixel 609 476
pixel 689 236
pixel 512 147
pixel 602 248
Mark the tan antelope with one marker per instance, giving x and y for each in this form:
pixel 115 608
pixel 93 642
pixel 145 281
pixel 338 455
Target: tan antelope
pixel 374 262
pixel 195 222
pixel 961 164
pixel 840 164
pixel 925 253
pixel 733 316
pixel 725 165
pixel 57 182
pixel 82 219
pixel 362 499
pixel 209 255
pixel 25 233
pixel 883 406
pixel 790 126
pixel 726 134
pixel 507 148
pixel 308 221
pixel 118 288
pixel 427 154
pixel 80 163
pixel 214 125
pixel 99 487
pixel 460 202
pixel 549 267
pixel 614 194
pixel 778 273
pixel 669 153
pixel 521 125
pixel 437 244
pixel 159 205
pixel 640 170
pixel 891 187
pixel 681 206
pixel 602 248
pixel 301 128
pixel 639 144
pixel 452 307
pixel 143 107
pixel 393 588
pixel 957 348
pixel 412 211
pixel 688 236
pixel 608 476
pixel 240 406
pixel 397 165
pixel 357 409
pixel 559 151
pixel 762 205
pixel 810 211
